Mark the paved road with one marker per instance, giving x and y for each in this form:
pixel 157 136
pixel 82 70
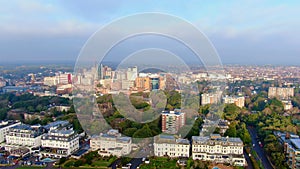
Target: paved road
pixel 115 163
pixel 250 166
pixel 135 163
pixel 259 150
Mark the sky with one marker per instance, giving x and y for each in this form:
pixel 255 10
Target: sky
pixel 243 32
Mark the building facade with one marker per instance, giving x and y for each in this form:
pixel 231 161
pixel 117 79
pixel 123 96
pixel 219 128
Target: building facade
pixel 111 143
pixel 172 121
pixel 281 92
pixel 59 143
pixel 210 98
pixel 292 150
pixel 238 101
pixel 218 149
pixel 4 128
pixel 167 145
pixel 142 83
pixel 24 135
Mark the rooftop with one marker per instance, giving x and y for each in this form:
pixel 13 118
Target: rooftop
pixel 296 143
pixel 56 124
pixel 176 112
pixel 169 139
pixel 216 138
pixel 22 127
pixel 62 132
pixel 7 123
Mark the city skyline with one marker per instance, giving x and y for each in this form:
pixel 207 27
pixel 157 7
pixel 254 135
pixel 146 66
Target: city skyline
pixel 55 31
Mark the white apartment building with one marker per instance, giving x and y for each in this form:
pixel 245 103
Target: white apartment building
pixel 218 149
pixel 4 128
pixel 51 81
pixel 281 92
pixel 59 143
pixel 237 100
pixel 111 143
pixel 168 145
pixel 210 98
pixel 23 135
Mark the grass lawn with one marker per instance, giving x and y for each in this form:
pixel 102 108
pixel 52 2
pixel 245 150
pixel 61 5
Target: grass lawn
pixel 28 167
pixel 96 163
pixel 160 163
pixel 101 163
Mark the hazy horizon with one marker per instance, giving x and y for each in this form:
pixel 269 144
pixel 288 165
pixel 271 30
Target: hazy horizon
pixel 247 33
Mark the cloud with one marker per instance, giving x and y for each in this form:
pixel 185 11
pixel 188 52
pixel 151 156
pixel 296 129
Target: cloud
pixel 262 30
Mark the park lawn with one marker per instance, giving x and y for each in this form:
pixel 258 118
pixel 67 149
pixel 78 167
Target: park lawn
pixel 160 163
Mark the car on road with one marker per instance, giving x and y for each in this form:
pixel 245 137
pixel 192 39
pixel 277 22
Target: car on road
pixel 147 161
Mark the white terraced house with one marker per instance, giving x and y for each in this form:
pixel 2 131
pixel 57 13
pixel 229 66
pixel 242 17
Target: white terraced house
pixel 218 149
pixel 111 143
pixel 168 145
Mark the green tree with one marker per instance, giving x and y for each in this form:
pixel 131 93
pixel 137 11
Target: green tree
pixel 143 132
pixel 231 131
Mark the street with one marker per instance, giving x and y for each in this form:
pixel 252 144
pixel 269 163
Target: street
pixel 259 150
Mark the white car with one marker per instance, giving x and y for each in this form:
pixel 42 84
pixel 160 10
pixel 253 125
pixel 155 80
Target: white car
pixel 147 161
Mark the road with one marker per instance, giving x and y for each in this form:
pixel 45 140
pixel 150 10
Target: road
pixel 48 166
pixel 250 166
pixel 259 150
pixel 135 163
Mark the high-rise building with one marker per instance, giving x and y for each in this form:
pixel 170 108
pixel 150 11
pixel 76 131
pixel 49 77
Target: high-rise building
pixel 162 83
pixel 154 81
pixel 142 83
pixel 65 78
pixel 50 81
pixel 132 73
pixel 281 92
pixel 172 121
pixel 104 72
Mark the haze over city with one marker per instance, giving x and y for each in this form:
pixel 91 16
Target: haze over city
pixel 149 84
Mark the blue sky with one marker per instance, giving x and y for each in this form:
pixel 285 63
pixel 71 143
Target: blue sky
pixel 243 32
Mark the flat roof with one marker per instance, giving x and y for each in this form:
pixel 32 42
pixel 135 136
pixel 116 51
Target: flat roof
pixel 166 136
pixel 182 141
pixel 64 132
pixel 296 143
pixel 7 123
pixel 56 123
pixel 22 127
